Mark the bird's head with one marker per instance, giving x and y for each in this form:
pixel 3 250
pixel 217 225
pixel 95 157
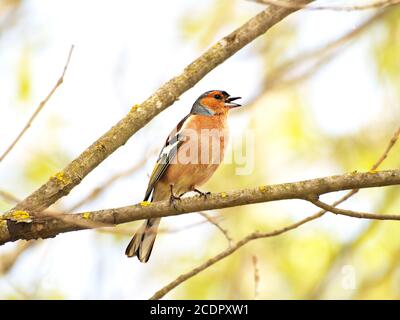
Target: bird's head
pixel 214 102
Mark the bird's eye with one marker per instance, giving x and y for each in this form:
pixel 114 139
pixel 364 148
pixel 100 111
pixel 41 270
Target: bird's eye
pixel 218 96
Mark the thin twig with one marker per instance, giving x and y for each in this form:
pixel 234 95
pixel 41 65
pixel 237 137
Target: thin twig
pixel 374 167
pixel 39 108
pixel 225 253
pixel 8 260
pixel 9 197
pixel 291 5
pixel 280 75
pixel 322 53
pixel 213 221
pixel 350 213
pixel 389 147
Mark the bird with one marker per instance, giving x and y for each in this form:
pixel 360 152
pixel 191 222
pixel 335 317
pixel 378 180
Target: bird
pixel 187 161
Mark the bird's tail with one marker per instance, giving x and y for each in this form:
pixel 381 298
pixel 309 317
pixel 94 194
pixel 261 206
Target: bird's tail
pixel 143 240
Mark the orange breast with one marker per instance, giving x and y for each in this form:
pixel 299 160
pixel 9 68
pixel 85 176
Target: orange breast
pixel 199 155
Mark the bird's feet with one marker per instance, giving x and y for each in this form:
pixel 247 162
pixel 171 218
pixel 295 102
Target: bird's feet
pixel 173 198
pixel 201 193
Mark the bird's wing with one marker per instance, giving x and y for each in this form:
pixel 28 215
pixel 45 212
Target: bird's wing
pixel 167 153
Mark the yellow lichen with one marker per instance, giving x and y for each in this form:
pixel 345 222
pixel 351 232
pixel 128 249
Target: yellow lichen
pixel 135 107
pixel 145 203
pixel 223 195
pixel 19 216
pixel 60 176
pixel 86 215
pixel 262 188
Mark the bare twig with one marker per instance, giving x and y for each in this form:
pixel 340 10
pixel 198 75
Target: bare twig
pixel 225 253
pixel 281 76
pixel 368 6
pixel 8 260
pixel 320 54
pixel 9 197
pixel 38 109
pixel 353 214
pixel 254 260
pixel 389 147
pixel 213 221
pixel 374 167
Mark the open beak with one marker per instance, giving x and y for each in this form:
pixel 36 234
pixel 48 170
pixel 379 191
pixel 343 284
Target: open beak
pixel 230 104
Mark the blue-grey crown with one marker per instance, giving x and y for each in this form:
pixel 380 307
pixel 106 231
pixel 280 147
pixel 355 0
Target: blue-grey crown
pixel 198 108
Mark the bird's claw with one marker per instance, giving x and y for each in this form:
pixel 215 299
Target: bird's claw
pixel 173 198
pixel 201 193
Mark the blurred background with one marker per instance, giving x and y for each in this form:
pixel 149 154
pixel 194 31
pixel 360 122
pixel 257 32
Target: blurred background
pixel 321 94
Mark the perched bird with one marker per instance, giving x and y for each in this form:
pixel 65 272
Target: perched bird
pixel 191 154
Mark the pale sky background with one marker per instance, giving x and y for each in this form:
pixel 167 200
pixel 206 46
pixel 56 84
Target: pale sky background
pixel 124 50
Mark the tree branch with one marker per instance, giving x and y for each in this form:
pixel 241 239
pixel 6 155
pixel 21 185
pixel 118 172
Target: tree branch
pixel 368 6
pixel 46 225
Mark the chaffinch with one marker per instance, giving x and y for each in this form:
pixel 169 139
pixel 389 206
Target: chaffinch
pixel 187 160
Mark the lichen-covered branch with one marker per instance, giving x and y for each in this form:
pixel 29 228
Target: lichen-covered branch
pixel 23 226
pixel 348 7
